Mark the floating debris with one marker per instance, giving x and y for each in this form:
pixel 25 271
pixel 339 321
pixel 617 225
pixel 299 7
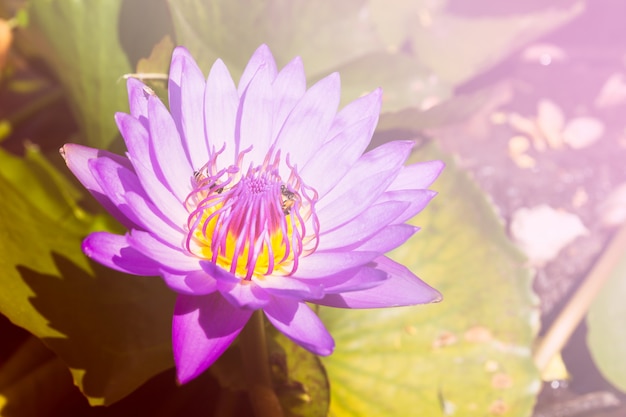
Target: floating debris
pixel 582 132
pixel 542 231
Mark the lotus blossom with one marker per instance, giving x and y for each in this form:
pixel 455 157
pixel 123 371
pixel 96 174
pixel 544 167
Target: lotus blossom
pixel 256 196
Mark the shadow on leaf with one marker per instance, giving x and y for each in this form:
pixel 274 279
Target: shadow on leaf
pixel 114 329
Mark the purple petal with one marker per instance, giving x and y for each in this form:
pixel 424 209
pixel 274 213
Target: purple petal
pixel 174 94
pixel 137 141
pixel 240 293
pixel 289 86
pixel 123 188
pixel 401 288
pixel 114 251
pixel 155 221
pixel 361 194
pixel 388 238
pixel 166 145
pixel 256 114
pixel 385 158
pixel 289 287
pixel 307 125
pixel 261 58
pixel 299 323
pixel 366 277
pixel 415 200
pixel 186 98
pixel 191 283
pixel 362 226
pixel 357 111
pixel 218 273
pixel 348 138
pixel 137 98
pixel 363 184
pixel 202 329
pixel 244 294
pixel 175 259
pixel 320 263
pixel 220 110
pixel 77 158
pixel 417 176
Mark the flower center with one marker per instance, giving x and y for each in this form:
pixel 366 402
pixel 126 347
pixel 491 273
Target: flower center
pixel 251 224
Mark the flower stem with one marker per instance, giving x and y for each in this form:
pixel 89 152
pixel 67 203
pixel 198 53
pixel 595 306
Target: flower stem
pixel 257 368
pixel 564 325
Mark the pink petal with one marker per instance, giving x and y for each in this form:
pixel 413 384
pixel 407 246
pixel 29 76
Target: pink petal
pixel 401 288
pixel 202 329
pixel 299 323
pixel 114 251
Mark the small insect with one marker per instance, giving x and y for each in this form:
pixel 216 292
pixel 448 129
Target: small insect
pixel 149 91
pixel 199 176
pixel 289 199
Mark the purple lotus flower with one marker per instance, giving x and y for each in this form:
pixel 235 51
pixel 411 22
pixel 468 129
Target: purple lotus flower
pixel 256 196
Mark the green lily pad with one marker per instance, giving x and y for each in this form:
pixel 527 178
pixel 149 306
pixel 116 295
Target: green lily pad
pixel 328 35
pixel 41 184
pixel 79 41
pixel 457 47
pixel 606 322
pixel 454 110
pixel 110 329
pixel 417 51
pixel 468 355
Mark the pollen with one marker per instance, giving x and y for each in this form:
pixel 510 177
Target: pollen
pixel 251 224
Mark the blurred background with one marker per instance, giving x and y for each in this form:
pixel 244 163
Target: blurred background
pixel 524 100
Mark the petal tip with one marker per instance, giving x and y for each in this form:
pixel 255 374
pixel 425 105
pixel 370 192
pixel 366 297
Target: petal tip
pixel 184 374
pixel 263 55
pixel 63 150
pixel 181 51
pixel 437 297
